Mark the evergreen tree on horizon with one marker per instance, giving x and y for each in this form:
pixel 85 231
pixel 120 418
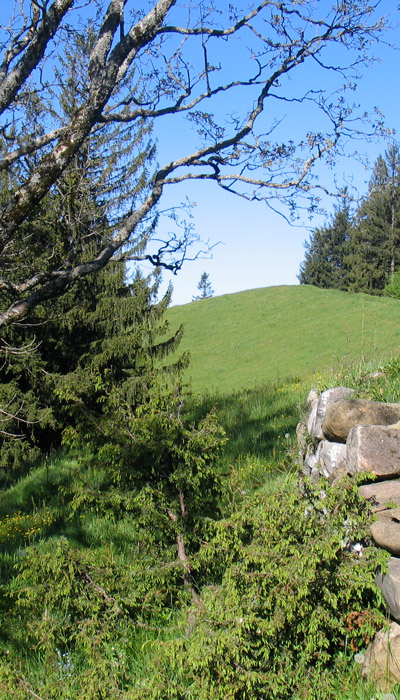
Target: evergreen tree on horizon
pixel 374 253
pixel 360 253
pixel 325 263
pixel 204 287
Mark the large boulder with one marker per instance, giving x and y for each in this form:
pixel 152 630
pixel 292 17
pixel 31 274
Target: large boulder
pixel 382 658
pixel 342 416
pixel 390 586
pixel 381 494
pixel 374 449
pixel 386 530
pixel 320 405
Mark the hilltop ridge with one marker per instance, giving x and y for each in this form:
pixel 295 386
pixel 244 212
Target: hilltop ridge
pixel 239 340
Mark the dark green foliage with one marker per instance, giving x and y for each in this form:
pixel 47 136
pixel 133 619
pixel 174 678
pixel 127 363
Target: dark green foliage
pixel 103 331
pixel 263 606
pixel 392 288
pixel 360 255
pixel 90 199
pixel 149 461
pixel 325 262
pixel 284 587
pixel 374 255
pixel 75 605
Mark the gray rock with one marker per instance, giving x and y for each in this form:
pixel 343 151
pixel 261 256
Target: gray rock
pixel 386 530
pixel 390 586
pixel 382 658
pixel 381 495
pixel 311 409
pixel 330 457
pixel 301 434
pixel 315 475
pixel 328 397
pixel 312 418
pixel 310 463
pixel 313 396
pixel 373 449
pixel 342 416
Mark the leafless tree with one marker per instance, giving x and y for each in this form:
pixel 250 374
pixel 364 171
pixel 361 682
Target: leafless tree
pixel 178 57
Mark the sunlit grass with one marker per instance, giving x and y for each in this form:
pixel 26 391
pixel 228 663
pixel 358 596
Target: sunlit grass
pixel 239 341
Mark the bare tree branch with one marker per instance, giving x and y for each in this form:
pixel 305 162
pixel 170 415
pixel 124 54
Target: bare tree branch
pixel 173 75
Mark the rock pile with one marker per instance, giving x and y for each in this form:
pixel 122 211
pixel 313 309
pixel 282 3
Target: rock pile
pixel 344 435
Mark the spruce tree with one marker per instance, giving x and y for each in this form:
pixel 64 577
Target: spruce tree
pixel 374 247
pixel 91 197
pixel 204 287
pixel 326 260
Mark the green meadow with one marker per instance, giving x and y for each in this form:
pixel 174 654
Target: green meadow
pixel 241 340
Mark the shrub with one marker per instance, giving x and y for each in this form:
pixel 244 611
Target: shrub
pixel 287 595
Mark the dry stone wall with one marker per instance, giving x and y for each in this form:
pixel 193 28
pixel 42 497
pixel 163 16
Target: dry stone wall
pixel 343 435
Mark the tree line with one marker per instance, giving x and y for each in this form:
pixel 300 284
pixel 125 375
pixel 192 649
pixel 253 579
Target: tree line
pixel 359 251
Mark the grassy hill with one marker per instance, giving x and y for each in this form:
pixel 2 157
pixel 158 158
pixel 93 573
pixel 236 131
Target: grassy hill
pixel 240 340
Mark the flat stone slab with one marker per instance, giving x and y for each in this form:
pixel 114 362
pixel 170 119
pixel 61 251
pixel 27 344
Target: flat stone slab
pixel 381 494
pixel 373 449
pixel 386 530
pixel 342 416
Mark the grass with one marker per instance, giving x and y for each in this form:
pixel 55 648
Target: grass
pixel 260 420
pixel 239 341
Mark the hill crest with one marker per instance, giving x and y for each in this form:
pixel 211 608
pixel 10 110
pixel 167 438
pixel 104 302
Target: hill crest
pixel 246 338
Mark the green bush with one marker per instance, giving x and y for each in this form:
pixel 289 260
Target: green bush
pixel 287 596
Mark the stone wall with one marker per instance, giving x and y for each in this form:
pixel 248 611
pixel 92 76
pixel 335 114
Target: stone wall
pixel 343 435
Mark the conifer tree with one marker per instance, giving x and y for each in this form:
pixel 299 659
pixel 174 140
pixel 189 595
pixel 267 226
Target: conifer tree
pixel 204 287
pixel 374 247
pixel 88 201
pixel 326 260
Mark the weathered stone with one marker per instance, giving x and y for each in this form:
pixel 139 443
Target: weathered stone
pixel 310 463
pixel 373 449
pixel 381 494
pixel 313 396
pixel 342 416
pixel 311 409
pixel 301 434
pixel 386 530
pixel 328 397
pixel 312 418
pixel 315 475
pixel 382 658
pixel 390 586
pixel 330 457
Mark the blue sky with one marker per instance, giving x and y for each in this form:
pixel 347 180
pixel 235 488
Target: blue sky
pixel 255 246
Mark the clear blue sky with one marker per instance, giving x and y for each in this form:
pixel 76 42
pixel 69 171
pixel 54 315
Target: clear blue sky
pixel 257 248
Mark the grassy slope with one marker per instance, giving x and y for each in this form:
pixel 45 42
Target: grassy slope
pixel 240 340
